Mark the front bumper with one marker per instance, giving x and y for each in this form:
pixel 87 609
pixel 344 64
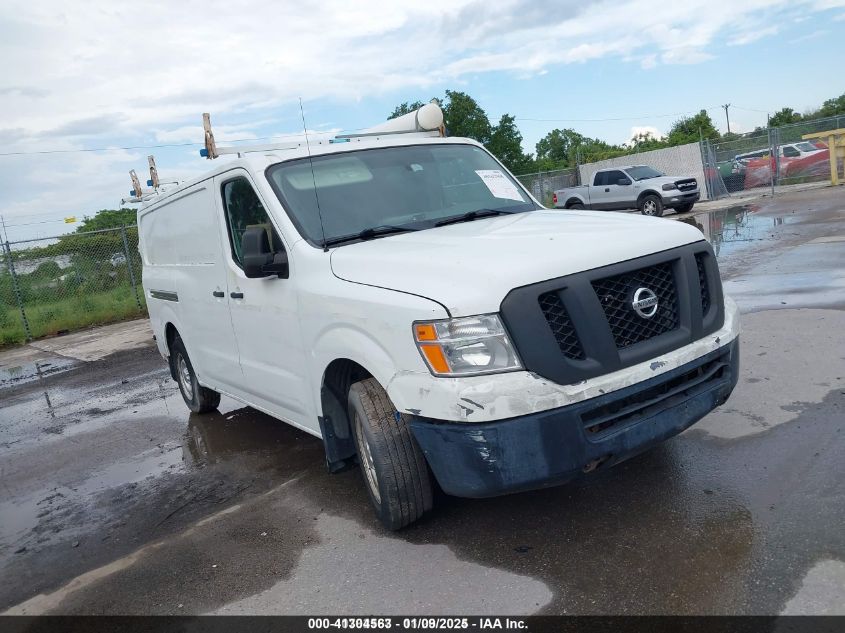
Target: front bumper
pixel 551 447
pixel 672 201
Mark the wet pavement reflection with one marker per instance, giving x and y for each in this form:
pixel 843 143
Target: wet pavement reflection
pixel 735 228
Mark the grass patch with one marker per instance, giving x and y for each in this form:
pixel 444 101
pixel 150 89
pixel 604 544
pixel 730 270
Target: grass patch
pixel 72 313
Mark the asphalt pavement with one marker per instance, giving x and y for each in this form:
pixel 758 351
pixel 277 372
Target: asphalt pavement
pixel 115 499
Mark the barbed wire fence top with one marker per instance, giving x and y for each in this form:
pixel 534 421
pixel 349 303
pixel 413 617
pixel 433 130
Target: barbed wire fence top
pixel 57 284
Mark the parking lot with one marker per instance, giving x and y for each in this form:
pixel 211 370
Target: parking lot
pixel 117 500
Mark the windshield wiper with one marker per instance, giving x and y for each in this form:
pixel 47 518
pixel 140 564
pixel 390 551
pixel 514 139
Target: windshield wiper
pixel 369 234
pixel 472 215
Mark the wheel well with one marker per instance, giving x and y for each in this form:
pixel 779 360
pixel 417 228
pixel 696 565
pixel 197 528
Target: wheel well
pixel 573 201
pixel 170 334
pixel 644 194
pixel 334 421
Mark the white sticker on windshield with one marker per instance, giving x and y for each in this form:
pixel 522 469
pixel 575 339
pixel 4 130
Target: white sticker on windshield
pixel 499 184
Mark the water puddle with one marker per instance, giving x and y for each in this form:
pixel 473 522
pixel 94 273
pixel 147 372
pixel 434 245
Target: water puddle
pixel 31 372
pixel 735 228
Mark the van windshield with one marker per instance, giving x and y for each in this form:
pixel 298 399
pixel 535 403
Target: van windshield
pixel 387 190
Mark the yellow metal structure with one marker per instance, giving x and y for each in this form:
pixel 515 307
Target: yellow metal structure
pixel 836 145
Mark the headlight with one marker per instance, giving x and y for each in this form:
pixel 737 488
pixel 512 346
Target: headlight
pixel 669 186
pixel 466 346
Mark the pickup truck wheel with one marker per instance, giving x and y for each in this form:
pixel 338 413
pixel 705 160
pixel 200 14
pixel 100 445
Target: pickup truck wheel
pixel 685 208
pixel 651 205
pixel 393 466
pixel 198 398
pixel 577 206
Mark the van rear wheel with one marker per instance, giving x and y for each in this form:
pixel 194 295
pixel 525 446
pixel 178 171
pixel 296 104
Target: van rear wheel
pixel 198 398
pixel 394 469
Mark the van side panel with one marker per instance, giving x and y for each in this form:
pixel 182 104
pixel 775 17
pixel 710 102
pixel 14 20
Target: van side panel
pixel 183 270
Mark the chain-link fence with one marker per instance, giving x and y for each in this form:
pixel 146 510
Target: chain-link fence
pixel 772 157
pixel 54 285
pixel 543 184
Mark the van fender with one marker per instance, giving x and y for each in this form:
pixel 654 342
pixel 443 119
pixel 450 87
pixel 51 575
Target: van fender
pixel 357 345
pixel 164 314
pixel 343 355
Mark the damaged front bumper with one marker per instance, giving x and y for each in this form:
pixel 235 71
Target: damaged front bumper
pixel 554 446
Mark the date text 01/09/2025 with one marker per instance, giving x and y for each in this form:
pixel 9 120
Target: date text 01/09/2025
pixel 417 623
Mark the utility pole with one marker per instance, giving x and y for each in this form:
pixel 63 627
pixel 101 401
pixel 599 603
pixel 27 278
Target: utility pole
pixel 727 118
pixel 5 235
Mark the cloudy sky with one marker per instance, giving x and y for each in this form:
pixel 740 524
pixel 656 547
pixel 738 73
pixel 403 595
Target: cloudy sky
pixel 90 75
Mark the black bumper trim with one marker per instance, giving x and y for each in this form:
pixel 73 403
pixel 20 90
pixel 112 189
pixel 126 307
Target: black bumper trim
pixel 552 447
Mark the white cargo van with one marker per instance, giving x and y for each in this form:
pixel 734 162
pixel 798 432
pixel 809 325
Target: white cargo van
pixel 404 298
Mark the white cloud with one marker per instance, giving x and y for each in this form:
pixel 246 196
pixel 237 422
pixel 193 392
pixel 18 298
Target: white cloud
pixel 636 130
pixel 167 63
pixel 750 36
pixel 88 74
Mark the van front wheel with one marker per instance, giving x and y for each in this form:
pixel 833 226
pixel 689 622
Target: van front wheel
pixel 198 398
pixel 394 469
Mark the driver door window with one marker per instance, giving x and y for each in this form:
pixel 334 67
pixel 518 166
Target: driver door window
pixel 244 210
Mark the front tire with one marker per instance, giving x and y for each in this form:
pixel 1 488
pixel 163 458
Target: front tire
pixel 198 398
pixel 685 208
pixel 394 469
pixel 651 205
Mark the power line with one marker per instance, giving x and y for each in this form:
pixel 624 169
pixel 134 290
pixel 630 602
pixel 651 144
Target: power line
pixel 750 109
pixel 626 118
pixel 296 135
pixel 93 149
pixel 159 146
pixel 32 223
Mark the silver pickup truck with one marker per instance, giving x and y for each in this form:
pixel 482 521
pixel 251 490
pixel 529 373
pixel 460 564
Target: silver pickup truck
pixel 634 187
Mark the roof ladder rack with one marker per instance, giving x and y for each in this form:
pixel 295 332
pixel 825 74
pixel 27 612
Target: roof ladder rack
pixel 211 151
pixel 138 194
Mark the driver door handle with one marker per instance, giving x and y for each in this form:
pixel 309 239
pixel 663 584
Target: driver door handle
pixel 236 295
pixel 606 189
pixel 219 294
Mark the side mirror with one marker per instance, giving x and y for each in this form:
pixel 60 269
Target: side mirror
pixel 258 259
pixel 623 182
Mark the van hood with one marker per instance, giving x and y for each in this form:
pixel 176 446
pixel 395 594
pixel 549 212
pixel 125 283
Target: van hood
pixel 470 267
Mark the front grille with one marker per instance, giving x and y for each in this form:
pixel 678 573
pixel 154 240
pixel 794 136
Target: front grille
pixel 702 282
pixel 616 295
pixel 621 413
pixel 686 185
pixel 584 324
pixel 561 325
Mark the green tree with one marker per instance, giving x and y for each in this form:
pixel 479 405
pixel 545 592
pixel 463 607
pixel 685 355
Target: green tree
pixel 692 129
pixel 464 117
pixel 506 144
pixel 833 107
pixel 405 108
pixel 558 148
pixel 564 148
pixel 784 116
pixel 645 141
pixel 108 219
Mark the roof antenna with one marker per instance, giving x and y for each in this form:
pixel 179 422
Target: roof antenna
pixel 313 177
